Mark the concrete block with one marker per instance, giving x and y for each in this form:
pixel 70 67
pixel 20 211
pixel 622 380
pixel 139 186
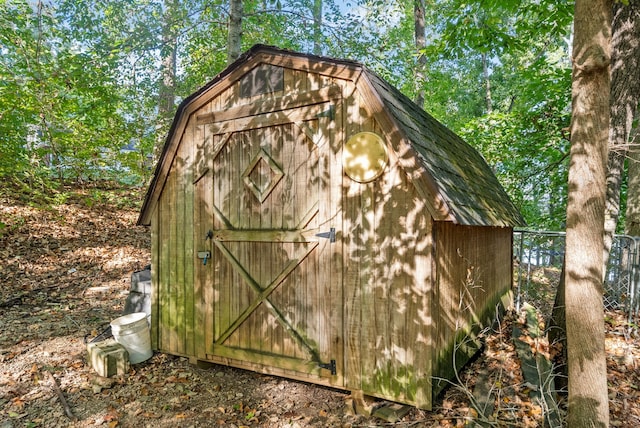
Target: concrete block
pixel 108 358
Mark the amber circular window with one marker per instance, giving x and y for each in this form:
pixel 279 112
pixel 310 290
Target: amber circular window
pixel 364 157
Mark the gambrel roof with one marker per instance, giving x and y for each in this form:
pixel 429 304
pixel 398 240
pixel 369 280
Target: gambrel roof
pixel 461 187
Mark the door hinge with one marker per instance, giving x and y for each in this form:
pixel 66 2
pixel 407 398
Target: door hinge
pixel 330 235
pixel 329 366
pixel 330 113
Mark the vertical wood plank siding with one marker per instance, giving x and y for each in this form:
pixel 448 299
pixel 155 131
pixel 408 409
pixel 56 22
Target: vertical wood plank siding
pixel 473 275
pixel 388 253
pixel 188 257
pixel 155 279
pixel 177 254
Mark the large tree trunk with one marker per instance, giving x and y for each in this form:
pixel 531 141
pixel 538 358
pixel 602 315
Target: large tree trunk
pixel 167 92
pixel 625 96
pixel 588 399
pixel 234 41
pixel 419 33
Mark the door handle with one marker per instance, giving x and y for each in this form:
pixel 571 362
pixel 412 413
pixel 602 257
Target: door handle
pixel 204 256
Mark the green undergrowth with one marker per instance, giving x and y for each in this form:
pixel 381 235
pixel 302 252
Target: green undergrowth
pixel 48 196
pixel 44 194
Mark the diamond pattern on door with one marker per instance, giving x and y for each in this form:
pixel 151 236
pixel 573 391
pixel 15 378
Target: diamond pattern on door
pixel 262 175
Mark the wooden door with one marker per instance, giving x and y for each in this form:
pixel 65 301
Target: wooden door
pixel 275 278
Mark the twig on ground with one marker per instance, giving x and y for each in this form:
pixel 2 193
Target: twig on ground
pixel 63 401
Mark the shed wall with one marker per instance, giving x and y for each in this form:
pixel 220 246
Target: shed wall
pixel 473 278
pixel 388 254
pixel 388 290
pixel 173 256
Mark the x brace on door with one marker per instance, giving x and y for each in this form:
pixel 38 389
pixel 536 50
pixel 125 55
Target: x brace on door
pixel 262 296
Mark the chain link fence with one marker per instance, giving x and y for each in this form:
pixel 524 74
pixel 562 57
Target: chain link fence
pixel 538 265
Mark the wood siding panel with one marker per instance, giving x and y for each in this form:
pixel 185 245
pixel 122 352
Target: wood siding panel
pixel 331 254
pixel 170 226
pixel 388 284
pixel 202 223
pixel 178 256
pixel 353 253
pixel 271 104
pixel 189 253
pixel 474 274
pixel 174 254
pixel 156 266
pixel 162 271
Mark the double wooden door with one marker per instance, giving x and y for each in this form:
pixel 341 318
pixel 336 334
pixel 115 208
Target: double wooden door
pixel 274 268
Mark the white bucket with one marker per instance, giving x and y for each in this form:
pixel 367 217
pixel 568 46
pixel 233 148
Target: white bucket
pixel 132 332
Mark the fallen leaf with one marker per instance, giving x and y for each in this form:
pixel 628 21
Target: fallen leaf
pixel 18 402
pixel 111 416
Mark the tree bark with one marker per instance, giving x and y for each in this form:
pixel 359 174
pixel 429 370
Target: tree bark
pixel 234 42
pixel 167 89
pixel 588 404
pixel 487 84
pixel 625 96
pixel 627 38
pixel 317 27
pixel 419 33
pixel 632 225
pixel 167 93
pixel 557 334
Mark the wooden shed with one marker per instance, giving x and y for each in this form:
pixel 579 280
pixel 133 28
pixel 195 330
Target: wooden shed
pixel 310 221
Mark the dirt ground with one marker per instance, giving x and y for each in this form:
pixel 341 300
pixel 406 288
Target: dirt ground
pixel 65 265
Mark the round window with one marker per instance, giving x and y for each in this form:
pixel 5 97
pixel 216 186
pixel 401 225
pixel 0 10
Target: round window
pixel 364 157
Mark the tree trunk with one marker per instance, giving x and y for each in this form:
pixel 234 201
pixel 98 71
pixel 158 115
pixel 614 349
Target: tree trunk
pixel 557 333
pixel 627 19
pixel 588 404
pixel 418 16
pixel 317 27
pixel 625 96
pixel 632 226
pixel 487 83
pixel 167 90
pixel 234 43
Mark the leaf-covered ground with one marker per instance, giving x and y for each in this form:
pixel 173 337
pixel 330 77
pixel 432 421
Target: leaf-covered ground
pixel 66 258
